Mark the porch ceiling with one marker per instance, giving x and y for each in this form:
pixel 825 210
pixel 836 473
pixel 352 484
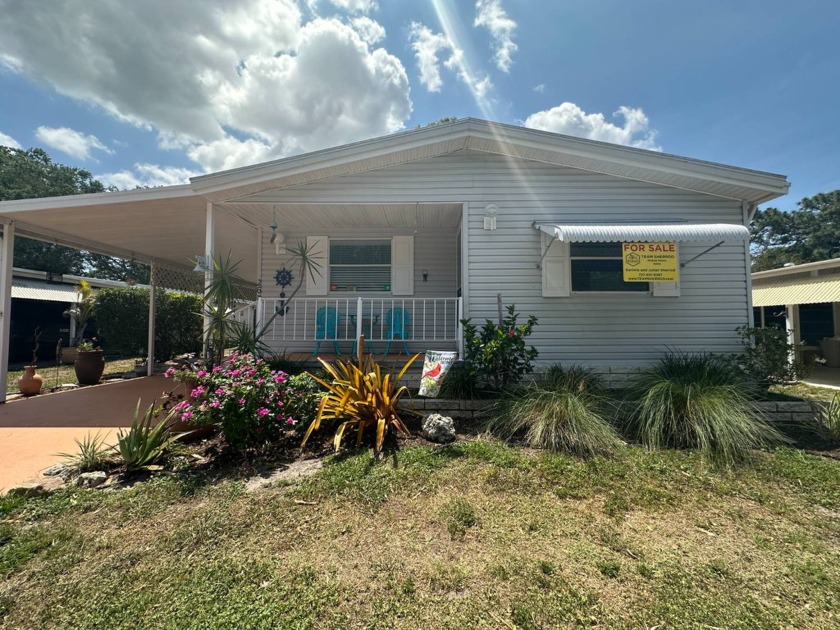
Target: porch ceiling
pixel 169 228
pixel 301 215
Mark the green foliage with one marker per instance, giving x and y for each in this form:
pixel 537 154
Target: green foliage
pixel 304 396
pixel 497 355
pixel 93 453
pixel 82 310
pixel 808 234
pixel 828 420
pixel 766 356
pixel 461 517
pixel 360 396
pixel 608 568
pixel 461 383
pixel 698 401
pixel 144 443
pixel 565 413
pixel 122 319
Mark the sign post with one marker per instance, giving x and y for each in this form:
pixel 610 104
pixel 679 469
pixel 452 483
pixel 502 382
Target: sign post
pixel 650 262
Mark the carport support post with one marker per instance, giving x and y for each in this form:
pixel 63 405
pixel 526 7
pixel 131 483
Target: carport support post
pixel 7 249
pixel 209 253
pixel 150 359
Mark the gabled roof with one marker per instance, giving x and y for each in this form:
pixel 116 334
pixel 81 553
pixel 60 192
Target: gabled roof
pixel 479 135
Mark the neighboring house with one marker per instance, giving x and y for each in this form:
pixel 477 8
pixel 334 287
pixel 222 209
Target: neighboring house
pixel 39 300
pixel 439 221
pixel 804 299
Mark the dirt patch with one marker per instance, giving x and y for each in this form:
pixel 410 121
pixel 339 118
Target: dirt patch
pixel 292 474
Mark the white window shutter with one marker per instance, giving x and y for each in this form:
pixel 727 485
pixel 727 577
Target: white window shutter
pixel 668 289
pixel 556 268
pixel 402 265
pixel 316 284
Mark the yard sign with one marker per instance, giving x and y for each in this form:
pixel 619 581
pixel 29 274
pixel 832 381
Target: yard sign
pixel 650 262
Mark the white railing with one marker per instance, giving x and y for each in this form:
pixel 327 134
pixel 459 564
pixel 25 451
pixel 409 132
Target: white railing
pixel 413 320
pixel 244 313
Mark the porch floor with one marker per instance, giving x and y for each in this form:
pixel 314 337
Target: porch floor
pixel 33 430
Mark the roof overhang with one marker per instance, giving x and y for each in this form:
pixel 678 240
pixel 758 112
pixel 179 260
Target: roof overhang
pixel 810 291
pixel 647 231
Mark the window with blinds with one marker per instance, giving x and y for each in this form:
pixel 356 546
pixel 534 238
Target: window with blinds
pixel 360 265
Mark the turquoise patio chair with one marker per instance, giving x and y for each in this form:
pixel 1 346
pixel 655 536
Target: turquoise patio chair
pixel 397 321
pixel 326 327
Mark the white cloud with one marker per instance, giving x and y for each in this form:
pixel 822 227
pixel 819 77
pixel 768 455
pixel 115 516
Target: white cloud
pixel 230 152
pixel 371 31
pixel 196 70
pixel 539 88
pixel 491 15
pixel 356 6
pixel 8 141
pixel 569 119
pixel 147 175
pixel 73 143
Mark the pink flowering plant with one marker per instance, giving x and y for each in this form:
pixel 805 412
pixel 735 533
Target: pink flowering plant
pixel 252 403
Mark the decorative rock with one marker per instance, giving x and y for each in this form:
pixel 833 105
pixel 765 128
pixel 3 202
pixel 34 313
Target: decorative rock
pixel 59 470
pixel 438 428
pixel 91 479
pixel 27 489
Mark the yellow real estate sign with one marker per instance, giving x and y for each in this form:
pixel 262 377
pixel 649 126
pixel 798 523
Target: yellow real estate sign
pixel 650 262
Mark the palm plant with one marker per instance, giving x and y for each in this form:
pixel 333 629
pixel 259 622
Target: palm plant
pixel 82 311
pixel 143 444
pixel 567 412
pixel 360 396
pixel 698 401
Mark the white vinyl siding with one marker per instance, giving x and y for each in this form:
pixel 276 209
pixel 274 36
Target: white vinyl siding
pixel 596 329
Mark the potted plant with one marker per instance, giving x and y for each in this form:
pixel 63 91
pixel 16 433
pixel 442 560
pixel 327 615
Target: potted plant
pixel 30 383
pixel 90 362
pixel 80 313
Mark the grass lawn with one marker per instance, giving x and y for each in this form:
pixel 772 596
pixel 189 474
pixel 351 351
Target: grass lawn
pixel 473 535
pixel 66 374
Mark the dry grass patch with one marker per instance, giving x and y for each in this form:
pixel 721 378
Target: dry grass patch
pixel 472 535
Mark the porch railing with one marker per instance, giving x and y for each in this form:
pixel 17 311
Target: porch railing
pixel 424 320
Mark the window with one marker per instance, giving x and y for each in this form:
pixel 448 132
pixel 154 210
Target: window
pixel 360 265
pixel 598 267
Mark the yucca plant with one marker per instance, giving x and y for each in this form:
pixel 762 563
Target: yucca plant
pixel 828 420
pixel 143 444
pixel 567 412
pixel 360 396
pixel 698 401
pixel 92 454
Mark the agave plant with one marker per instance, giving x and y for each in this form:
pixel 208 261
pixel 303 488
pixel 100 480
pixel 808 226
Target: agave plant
pixel 143 444
pixel 360 396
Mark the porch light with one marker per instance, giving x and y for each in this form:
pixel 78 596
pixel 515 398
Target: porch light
pixel 279 243
pixel 490 213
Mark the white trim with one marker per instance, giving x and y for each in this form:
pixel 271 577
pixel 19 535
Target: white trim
pixel 150 355
pixel 97 199
pixel 465 260
pixel 748 210
pixel 209 257
pixel 7 250
pixel 643 231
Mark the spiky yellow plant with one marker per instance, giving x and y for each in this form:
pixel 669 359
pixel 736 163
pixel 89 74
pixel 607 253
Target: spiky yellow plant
pixel 360 396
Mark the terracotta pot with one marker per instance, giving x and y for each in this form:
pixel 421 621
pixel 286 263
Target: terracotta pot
pixel 68 355
pixel 89 367
pixel 31 382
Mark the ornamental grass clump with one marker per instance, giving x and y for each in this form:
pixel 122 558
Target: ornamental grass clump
pixel 146 441
pixel 245 397
pixel 698 401
pixel 567 412
pixel 360 397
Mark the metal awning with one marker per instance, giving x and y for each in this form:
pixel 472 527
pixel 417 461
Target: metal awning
pixel 43 291
pixel 631 232
pixel 813 291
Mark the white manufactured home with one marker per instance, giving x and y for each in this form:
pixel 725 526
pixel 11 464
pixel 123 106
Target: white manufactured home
pixel 416 230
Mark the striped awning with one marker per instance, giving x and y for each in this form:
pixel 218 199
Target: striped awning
pixel 811 291
pixel 46 292
pixel 632 232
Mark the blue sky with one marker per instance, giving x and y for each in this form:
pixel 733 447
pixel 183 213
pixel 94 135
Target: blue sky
pixel 150 93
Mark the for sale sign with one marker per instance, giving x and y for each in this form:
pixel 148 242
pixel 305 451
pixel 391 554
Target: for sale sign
pixel 650 262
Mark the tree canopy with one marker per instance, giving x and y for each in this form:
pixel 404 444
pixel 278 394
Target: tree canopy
pixel 25 174
pixel 808 234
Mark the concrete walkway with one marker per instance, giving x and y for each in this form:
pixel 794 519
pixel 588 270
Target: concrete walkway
pixel 823 376
pixel 33 430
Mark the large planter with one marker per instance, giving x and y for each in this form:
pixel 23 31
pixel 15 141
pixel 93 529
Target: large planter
pixel 31 382
pixel 89 366
pixel 68 355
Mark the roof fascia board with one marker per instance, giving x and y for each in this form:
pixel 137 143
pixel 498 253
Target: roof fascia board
pixel 769 274
pixel 97 199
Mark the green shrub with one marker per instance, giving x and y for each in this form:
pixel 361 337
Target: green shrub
pixel 461 382
pixel 766 356
pixel 828 420
pixel 122 319
pixel 698 401
pixel 303 397
pixel 497 354
pixel 143 444
pixel 565 413
pixel 93 453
